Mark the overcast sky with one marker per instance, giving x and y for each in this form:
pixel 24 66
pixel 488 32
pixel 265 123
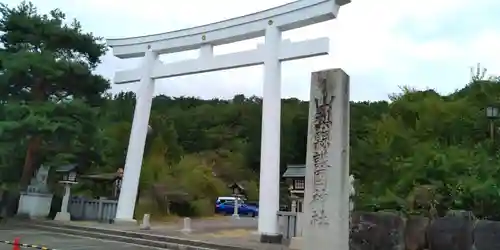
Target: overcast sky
pixel 381 44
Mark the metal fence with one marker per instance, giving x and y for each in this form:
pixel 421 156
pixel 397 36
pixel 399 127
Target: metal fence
pixel 102 210
pixel 289 223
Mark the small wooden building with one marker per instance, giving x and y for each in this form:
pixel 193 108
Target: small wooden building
pixel 237 190
pixel 104 180
pixel 295 178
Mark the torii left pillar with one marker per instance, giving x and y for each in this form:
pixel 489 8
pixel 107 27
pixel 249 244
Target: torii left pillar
pixel 270 139
pixel 137 141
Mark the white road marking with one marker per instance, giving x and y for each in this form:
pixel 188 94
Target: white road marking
pixel 56 239
pixel 23 232
pixel 83 247
pixel 110 241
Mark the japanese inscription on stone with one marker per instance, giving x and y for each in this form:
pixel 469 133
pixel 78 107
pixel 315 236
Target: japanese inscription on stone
pixel 321 123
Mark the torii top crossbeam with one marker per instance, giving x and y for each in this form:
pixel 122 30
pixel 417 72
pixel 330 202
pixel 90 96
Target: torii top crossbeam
pixel 290 16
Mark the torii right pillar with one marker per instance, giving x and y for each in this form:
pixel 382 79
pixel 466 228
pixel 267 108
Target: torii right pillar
pixel 326 224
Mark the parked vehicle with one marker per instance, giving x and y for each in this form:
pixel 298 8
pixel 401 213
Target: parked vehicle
pixel 243 209
pixel 252 203
pixel 223 199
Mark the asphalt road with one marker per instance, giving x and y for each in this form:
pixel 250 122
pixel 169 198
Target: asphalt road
pixel 61 241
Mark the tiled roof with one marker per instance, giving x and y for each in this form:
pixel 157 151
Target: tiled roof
pixel 67 168
pixel 293 171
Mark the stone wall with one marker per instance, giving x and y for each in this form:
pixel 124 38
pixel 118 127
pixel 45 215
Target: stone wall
pixel 455 231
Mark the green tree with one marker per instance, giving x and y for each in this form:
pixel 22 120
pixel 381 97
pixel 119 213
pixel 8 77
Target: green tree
pixel 47 88
pixel 417 152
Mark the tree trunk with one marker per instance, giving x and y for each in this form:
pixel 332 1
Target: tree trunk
pixel 34 142
pixel 29 161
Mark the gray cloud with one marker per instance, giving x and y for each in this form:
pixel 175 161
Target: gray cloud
pixel 381 44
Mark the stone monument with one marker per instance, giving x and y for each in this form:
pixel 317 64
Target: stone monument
pixel 35 202
pixel 327 192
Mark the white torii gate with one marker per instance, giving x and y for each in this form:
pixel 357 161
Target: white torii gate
pixel 269 23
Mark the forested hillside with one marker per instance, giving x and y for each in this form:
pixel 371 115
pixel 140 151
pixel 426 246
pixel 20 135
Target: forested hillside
pixel 417 151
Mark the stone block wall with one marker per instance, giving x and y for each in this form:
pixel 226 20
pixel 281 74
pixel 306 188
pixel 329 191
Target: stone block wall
pixel 455 231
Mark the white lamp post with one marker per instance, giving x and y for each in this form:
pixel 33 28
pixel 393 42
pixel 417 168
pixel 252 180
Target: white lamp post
pixel 68 180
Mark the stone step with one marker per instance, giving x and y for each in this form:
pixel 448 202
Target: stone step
pixel 118 238
pixel 159 241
